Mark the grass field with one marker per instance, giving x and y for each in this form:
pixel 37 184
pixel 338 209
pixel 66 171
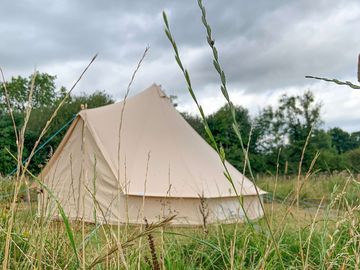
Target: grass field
pixel 306 237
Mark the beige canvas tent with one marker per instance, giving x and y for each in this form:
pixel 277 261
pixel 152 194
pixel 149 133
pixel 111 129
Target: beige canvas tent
pixel 149 163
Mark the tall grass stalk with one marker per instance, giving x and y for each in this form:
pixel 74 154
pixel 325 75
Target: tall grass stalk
pixel 219 149
pixel 22 168
pixel 142 210
pixel 336 81
pixel 127 92
pixel 125 187
pixel 150 229
pixel 275 186
pixel 235 124
pixel 298 184
pixel 306 263
pixel 20 148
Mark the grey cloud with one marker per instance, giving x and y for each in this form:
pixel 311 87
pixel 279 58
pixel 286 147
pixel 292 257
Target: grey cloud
pixel 288 43
pixel 264 45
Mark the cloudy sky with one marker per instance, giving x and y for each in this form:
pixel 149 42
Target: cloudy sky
pixel 266 48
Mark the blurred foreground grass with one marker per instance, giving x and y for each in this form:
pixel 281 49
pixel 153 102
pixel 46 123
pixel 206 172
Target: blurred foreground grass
pixel 309 238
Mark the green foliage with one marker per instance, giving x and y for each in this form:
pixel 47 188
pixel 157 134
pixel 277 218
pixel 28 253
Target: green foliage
pixel 292 122
pixel 7 141
pixel 278 137
pixel 44 101
pixel 220 123
pixel 344 141
pixel 44 91
pixel 353 159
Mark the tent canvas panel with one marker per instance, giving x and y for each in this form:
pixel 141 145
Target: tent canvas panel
pixel 187 209
pixel 156 159
pixel 133 210
pixel 81 175
pixel 152 126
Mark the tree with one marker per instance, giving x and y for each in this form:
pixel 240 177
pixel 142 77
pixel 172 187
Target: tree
pixel 44 91
pixel 298 115
pixel 340 140
pixel 268 130
pixel 220 124
pixel 353 159
pixel 284 131
pixel 17 93
pixel 8 142
pixel 44 101
pixel 355 139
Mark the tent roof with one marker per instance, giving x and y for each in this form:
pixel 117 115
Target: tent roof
pixel 151 149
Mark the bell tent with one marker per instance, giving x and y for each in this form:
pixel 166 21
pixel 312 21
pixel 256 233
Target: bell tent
pixel 140 159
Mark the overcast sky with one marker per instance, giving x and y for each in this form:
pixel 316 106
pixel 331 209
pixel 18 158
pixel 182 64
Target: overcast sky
pixel 266 48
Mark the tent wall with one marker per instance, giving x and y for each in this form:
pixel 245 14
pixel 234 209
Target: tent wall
pixel 187 210
pixel 133 210
pixel 79 175
pixel 153 132
pixel 161 156
pixel 84 184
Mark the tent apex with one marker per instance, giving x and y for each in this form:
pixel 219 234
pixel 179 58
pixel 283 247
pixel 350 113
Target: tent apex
pixel 159 90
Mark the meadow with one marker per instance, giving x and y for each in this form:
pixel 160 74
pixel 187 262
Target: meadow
pixel 324 234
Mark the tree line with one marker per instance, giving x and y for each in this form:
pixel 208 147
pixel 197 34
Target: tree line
pixel 275 138
pixel 281 137
pixel 46 97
